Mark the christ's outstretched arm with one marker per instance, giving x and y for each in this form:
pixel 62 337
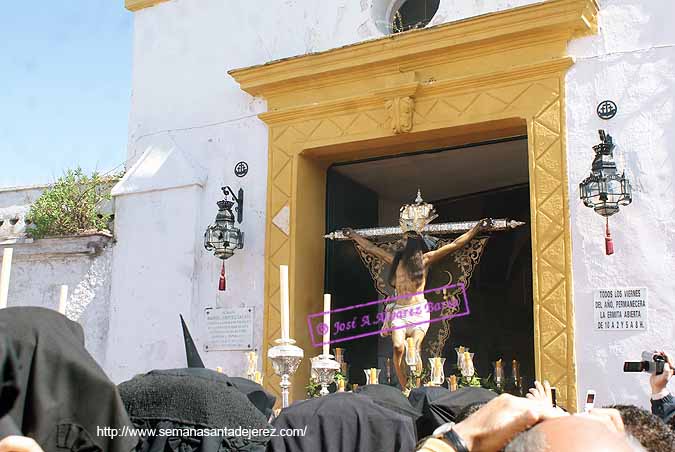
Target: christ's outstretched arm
pixel 457 244
pixel 369 246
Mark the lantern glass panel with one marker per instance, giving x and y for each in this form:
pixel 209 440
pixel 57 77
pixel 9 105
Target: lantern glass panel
pixel 626 190
pixel 614 188
pixel 602 189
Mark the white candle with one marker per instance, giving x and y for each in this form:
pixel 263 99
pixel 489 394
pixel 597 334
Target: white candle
pixel 283 291
pixel 326 320
pixel 410 351
pixel 4 275
pixel 63 299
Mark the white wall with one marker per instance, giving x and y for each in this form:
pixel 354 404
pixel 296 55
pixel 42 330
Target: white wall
pixel 182 94
pixel 632 62
pixel 40 267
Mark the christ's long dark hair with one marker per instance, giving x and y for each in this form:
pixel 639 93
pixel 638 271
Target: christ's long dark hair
pixel 411 256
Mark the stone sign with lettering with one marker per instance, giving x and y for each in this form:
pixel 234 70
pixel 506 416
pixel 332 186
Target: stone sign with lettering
pixel 229 329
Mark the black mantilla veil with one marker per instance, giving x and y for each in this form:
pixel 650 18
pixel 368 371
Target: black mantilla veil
pixel 184 404
pixel 63 393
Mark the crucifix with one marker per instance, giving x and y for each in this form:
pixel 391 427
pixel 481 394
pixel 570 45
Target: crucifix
pixel 409 266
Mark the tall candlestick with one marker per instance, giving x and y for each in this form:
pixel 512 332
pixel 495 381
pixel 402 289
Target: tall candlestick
pixel 63 299
pixel 326 321
pixel 4 275
pixel 285 306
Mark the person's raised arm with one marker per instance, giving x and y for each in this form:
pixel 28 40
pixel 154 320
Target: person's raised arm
pixel 493 426
pixel 369 246
pixel 663 403
pixel 457 244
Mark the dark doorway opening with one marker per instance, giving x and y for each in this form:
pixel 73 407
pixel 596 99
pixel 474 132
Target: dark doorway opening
pixel 465 183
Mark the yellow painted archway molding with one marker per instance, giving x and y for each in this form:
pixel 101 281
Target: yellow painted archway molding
pixel 492 76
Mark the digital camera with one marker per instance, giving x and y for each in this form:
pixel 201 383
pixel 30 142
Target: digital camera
pixel 652 362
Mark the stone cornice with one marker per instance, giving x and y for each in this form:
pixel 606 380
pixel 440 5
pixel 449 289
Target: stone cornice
pixel 135 5
pixel 553 20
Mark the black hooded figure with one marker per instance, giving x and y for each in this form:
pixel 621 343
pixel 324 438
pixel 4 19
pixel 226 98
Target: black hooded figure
pixel 9 389
pixel 63 393
pixel 257 395
pixel 191 353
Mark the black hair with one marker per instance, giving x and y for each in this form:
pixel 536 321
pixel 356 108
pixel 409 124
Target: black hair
pixel 412 258
pixel 469 410
pixel 654 434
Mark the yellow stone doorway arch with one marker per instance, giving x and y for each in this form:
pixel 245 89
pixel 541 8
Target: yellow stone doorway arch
pixel 492 76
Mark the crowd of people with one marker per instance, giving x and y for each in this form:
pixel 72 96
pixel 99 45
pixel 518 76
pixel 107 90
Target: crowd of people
pixel 55 397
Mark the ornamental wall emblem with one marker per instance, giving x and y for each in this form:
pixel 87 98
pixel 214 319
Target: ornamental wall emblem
pixel 399 114
pixel 606 109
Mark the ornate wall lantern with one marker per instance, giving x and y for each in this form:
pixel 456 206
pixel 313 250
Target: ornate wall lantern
pixel 604 190
pixel 223 237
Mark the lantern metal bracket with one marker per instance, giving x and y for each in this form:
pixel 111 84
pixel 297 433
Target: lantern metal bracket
pixel 239 200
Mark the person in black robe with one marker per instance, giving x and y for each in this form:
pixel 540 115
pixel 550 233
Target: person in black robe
pixel 256 394
pixel 391 398
pixel 192 400
pixel 9 388
pixel 441 406
pixel 63 394
pixel 342 422
pixel 420 399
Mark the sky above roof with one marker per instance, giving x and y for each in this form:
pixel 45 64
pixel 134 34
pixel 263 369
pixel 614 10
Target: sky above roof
pixel 65 88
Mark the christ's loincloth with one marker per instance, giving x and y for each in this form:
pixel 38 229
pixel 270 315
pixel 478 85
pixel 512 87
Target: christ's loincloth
pixel 406 316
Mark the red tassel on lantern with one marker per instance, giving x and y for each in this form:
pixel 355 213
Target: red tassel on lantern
pixel 221 283
pixel 609 244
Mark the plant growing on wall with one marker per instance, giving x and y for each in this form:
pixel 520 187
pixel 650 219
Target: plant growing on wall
pixel 71 206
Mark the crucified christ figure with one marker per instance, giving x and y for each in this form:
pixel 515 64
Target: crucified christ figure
pixel 408 275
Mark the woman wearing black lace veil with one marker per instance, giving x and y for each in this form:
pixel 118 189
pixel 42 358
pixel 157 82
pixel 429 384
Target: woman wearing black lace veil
pixel 190 401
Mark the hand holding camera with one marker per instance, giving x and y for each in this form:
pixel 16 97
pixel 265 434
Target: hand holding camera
pixel 658 364
pixel 659 381
pixel 652 362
